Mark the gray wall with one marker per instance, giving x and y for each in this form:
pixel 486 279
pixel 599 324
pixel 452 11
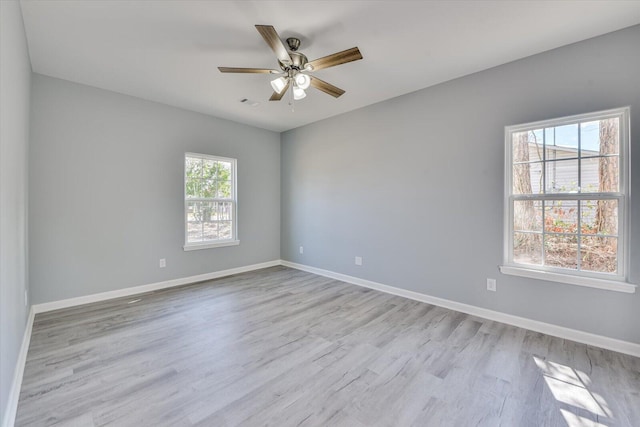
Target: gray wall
pixel 414 184
pixel 106 190
pixel 15 83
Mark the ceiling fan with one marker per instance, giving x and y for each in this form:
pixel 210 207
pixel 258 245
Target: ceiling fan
pixel 294 66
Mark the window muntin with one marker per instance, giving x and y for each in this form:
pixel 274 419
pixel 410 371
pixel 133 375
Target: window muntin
pixel 210 200
pixel 566 195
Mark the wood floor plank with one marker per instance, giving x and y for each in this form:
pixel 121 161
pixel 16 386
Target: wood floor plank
pixel 282 347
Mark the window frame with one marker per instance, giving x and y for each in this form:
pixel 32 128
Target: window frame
pixel 217 243
pixel 615 282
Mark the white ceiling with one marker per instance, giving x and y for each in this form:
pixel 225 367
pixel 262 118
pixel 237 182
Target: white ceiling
pixel 169 51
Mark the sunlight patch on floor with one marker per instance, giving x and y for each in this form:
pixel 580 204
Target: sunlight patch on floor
pixel 573 395
pixel 571 387
pixel 574 420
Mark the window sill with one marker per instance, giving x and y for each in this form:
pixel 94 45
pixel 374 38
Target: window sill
pixel 610 285
pixel 195 247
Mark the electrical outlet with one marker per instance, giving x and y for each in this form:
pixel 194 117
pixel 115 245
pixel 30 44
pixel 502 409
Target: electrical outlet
pixel 358 260
pixel 26 298
pixel 301 250
pixel 491 285
pixel 163 262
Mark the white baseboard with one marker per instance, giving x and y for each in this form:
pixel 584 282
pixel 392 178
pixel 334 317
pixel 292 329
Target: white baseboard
pixel 14 393
pixel 103 296
pixel 613 344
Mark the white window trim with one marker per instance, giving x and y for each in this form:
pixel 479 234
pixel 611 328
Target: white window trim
pixel 214 243
pixel 221 244
pixel 606 281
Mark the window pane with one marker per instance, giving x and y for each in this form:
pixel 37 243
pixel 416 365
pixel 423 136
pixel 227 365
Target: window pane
pixel 562 176
pixel 193 167
pixel 599 217
pixel 194 231
pixel 193 211
pixel 561 216
pixel 535 145
pixel 214 212
pixel 527 248
pixel 207 211
pixel 589 138
pixel 208 189
pixel 194 222
pixel 599 254
pixel 589 175
pixel 522 146
pixel 561 251
pixel 210 230
pixel 224 190
pixel 600 174
pixel 527 215
pixel 209 169
pixel 550 136
pixel 567 137
pixel 527 178
pixel 224 171
pixel 225 230
pixel 224 211
pixel 193 187
pixel 600 137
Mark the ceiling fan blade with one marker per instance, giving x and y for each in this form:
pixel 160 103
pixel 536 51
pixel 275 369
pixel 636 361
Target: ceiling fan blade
pixel 343 57
pixel 273 40
pixel 247 70
pixel 278 96
pixel 326 87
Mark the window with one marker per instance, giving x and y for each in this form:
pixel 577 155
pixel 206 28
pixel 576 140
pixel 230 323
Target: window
pixel 210 204
pixel 566 198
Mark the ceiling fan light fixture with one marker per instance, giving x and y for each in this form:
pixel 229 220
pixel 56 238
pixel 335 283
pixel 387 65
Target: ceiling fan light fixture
pixel 279 84
pixel 298 93
pixel 303 81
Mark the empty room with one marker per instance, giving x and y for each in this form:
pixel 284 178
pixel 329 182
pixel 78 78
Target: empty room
pixel 319 213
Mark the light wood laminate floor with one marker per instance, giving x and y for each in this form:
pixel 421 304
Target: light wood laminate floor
pixel 282 347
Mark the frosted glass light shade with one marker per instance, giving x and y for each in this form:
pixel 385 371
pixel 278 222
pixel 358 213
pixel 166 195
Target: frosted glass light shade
pixel 298 93
pixel 303 81
pixel 279 84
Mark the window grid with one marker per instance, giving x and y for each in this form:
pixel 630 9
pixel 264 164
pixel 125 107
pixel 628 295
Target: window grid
pixel 578 202
pixel 546 196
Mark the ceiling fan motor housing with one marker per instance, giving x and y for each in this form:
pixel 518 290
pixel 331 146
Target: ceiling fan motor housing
pixel 298 62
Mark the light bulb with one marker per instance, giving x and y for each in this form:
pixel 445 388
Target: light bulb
pixel 298 93
pixel 279 84
pixel 303 81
